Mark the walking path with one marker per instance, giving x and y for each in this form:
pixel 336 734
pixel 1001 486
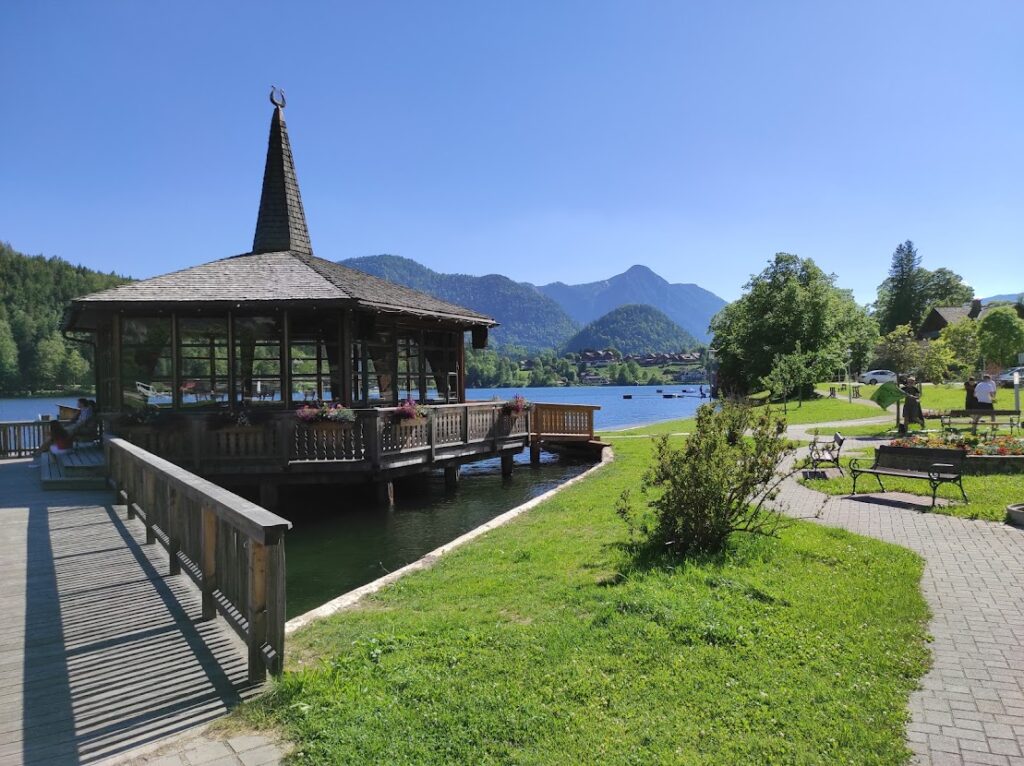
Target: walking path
pixel 100 651
pixel 970 707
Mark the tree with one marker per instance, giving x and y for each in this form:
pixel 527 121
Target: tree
pixel 962 340
pixel 938 359
pixel 1001 335
pixel 790 372
pixel 717 484
pixel 900 297
pixel 8 358
pixel 910 291
pixel 791 304
pixel 49 356
pixel 900 350
pixel 73 368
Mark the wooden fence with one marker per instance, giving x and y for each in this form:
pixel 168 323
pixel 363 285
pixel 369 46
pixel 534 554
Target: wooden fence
pixel 22 438
pixel 563 422
pixel 233 549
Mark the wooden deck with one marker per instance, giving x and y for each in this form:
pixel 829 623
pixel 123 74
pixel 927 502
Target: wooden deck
pixel 100 651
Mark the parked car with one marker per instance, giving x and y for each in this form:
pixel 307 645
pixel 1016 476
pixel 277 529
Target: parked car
pixel 1006 376
pixel 875 377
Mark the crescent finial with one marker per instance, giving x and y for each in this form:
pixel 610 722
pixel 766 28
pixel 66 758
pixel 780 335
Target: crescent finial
pixel 277 97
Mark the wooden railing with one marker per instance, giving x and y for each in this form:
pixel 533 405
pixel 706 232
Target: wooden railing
pixel 233 549
pixel 22 438
pixel 375 437
pixel 566 421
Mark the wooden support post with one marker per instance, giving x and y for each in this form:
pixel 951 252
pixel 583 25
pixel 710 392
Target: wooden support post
pixel 256 610
pixel 385 493
pixel 452 474
pixel 209 561
pixel 506 464
pixel 148 505
pixel 535 452
pixel 174 518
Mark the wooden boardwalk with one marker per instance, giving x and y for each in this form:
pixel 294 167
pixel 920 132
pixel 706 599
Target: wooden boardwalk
pixel 101 651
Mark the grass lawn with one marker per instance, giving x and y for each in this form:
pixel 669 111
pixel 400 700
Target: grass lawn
pixel 947 396
pixel 814 411
pixel 885 430
pixel 989 495
pixel 547 642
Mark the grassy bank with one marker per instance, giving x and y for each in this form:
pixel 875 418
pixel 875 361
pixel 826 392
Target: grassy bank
pixel 547 642
pixel 813 411
pixel 989 495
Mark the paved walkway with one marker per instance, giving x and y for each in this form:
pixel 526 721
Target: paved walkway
pixel 100 651
pixel 970 708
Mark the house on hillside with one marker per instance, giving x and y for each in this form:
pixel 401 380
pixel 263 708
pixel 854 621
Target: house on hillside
pixel 942 316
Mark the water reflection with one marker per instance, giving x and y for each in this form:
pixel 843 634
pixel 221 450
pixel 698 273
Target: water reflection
pixel 340 540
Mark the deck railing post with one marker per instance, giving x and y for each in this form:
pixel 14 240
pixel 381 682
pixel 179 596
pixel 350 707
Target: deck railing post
pixel 371 437
pixel 464 436
pixel 256 610
pixel 285 437
pixel 208 565
pixel 431 434
pixel 174 524
pixel 148 504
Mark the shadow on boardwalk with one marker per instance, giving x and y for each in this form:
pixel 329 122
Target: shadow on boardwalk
pixel 100 651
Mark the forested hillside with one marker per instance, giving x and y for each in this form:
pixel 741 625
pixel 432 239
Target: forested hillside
pixel 689 306
pixel 633 330
pixel 528 318
pixel 34 292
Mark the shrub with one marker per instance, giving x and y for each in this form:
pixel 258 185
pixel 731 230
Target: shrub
pixel 718 483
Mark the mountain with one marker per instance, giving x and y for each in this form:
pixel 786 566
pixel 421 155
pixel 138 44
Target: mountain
pixel 633 330
pixel 34 291
pixel 528 317
pixel 690 306
pixel 1004 298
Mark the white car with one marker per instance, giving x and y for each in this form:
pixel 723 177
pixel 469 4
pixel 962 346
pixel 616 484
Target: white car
pixel 876 377
pixel 1006 376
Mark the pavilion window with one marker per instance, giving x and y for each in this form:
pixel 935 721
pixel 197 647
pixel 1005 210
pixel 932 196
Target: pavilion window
pixel 203 361
pixel 315 367
pixel 146 370
pixel 438 361
pixel 374 367
pixel 257 360
pixel 409 361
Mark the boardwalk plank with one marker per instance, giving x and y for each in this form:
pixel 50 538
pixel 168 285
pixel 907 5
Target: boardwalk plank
pixel 100 651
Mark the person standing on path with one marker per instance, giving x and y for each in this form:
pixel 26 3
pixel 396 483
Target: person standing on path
pixel 971 402
pixel 985 393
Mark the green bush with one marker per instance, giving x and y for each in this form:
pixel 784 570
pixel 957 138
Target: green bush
pixel 717 483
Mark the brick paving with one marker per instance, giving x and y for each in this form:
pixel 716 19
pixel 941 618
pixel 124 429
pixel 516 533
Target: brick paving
pixel 970 706
pixel 205 748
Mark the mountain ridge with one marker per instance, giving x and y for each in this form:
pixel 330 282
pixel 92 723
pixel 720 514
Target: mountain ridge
pixel 633 329
pixel 547 316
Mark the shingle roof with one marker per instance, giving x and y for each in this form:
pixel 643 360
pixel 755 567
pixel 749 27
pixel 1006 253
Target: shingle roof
pixel 281 224
pixel 953 314
pixel 284 276
pixel 281 266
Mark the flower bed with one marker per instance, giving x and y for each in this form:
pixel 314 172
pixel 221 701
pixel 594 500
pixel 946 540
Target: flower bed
pixel 995 454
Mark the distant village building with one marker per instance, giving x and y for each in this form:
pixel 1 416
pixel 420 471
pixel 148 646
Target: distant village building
pixel 943 316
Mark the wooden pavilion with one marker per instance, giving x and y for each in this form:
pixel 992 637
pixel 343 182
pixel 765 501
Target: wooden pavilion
pixel 206 366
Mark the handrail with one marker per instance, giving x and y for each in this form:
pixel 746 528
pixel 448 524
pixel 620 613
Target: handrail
pixel 22 438
pixel 232 548
pixel 551 419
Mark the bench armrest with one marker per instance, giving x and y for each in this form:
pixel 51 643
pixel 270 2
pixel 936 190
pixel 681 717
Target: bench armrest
pixel 937 469
pixel 854 463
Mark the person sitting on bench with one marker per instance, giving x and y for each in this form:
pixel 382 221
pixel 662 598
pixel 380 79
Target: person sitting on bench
pixel 84 419
pixel 59 443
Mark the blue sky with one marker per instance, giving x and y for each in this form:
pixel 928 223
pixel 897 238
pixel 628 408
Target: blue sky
pixel 546 141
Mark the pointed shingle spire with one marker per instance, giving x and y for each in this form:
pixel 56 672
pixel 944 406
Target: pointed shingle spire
pixel 282 222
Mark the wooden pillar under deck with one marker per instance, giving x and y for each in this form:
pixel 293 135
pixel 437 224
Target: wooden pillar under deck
pixel 535 453
pixel 385 491
pixel 452 474
pixel 506 464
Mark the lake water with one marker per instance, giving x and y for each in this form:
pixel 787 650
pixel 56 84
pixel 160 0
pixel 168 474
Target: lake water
pixel 340 541
pixel 646 406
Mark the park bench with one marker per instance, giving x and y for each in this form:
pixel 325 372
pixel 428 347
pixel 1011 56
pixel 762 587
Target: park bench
pixel 991 418
pixel 827 453
pixel 936 466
